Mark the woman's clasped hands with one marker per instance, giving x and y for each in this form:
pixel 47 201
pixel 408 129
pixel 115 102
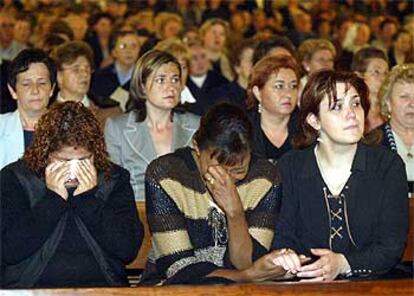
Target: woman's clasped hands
pixel 326 268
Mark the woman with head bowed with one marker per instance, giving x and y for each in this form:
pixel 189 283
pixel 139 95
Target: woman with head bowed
pixel 68 213
pixel 212 209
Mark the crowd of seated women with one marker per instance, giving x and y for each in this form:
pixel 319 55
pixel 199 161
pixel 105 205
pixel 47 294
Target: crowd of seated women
pixel 256 161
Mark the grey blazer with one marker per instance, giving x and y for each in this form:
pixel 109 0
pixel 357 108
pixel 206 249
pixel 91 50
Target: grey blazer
pixel 130 145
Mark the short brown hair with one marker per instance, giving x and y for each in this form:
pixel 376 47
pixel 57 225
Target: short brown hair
pixel 238 48
pixel 162 19
pixel 175 47
pixel 263 69
pixel 68 52
pixel 319 85
pixel 363 56
pixel 117 34
pixel 308 47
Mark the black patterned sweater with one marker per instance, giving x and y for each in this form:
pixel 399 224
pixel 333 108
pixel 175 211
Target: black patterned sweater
pixel 189 233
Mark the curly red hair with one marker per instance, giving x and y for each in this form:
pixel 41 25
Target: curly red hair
pixel 67 124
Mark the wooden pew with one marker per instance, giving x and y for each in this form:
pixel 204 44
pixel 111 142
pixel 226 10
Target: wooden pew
pixel 346 288
pixel 139 262
pixel 409 249
pixel 141 259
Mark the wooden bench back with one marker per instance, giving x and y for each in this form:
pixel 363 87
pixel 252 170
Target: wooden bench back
pixel 141 259
pixel 139 262
pixel 409 248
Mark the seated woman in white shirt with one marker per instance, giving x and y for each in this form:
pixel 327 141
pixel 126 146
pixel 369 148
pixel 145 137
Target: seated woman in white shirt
pixel 397 104
pixel 31 79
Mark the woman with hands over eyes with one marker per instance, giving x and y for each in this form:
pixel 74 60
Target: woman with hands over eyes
pixel 68 214
pixel 212 210
pixel 344 201
pixel 70 168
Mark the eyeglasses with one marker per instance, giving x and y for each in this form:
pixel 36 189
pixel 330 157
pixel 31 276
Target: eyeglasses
pixel 124 46
pixel 78 69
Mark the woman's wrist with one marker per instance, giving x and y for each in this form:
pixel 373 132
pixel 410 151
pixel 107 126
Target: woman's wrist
pixel 247 275
pixel 345 267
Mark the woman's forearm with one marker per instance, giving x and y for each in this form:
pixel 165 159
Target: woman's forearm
pixel 262 269
pixel 240 242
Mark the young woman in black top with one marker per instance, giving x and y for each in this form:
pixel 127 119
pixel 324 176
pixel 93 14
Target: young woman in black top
pixel 344 202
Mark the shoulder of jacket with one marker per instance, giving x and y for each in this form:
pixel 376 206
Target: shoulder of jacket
pixel 120 120
pixel 189 118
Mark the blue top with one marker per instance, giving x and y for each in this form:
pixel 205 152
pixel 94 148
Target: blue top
pixel 28 138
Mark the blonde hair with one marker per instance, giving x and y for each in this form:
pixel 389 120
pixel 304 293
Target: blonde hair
pixel 400 73
pixel 174 46
pixel 162 19
pixel 310 46
pixel 211 22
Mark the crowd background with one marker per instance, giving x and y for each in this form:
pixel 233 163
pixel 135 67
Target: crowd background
pixel 147 71
pixel 348 25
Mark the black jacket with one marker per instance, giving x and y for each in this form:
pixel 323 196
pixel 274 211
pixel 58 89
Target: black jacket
pixel 231 92
pixel 105 82
pixel 377 208
pixel 388 141
pixel 203 95
pixel 262 147
pixel 84 241
pixel 7 103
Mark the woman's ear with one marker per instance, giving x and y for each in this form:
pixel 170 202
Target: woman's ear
pixel 305 65
pixel 59 77
pixel 52 90
pixel 313 121
pixel 12 92
pixel 388 103
pixel 195 147
pixel 256 92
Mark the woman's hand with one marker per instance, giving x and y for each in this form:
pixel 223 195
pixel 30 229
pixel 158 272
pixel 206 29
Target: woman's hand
pixel 223 190
pixel 278 264
pixel 56 174
pixel 326 268
pixel 290 261
pixel 87 176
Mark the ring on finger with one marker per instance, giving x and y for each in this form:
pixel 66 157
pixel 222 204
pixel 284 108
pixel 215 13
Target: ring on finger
pixel 210 180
